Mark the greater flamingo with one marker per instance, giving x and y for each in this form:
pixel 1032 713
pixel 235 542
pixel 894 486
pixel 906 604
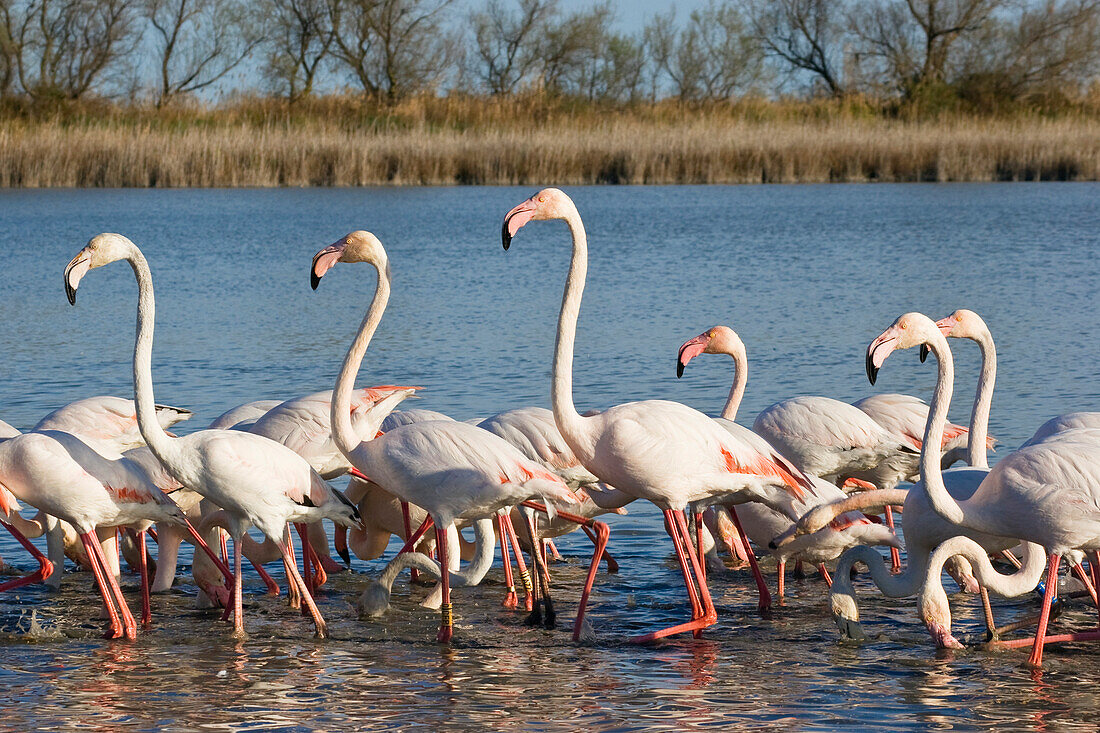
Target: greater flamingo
pixel 107 422
pixel 453 470
pixel 61 475
pixel 762 523
pixel 657 450
pixel 1046 493
pixel 1062 423
pixel 256 481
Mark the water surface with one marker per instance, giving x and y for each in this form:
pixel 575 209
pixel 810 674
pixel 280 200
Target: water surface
pixel 806 274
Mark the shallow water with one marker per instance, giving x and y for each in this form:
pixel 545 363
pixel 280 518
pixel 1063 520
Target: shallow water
pixel 806 274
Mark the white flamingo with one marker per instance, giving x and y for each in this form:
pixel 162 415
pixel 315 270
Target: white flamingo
pixel 761 523
pixel 1048 493
pixel 657 450
pixel 255 480
pixel 453 470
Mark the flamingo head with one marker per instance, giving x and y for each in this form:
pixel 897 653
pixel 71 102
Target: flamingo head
pixel 359 246
pixel 963 323
pixel 715 340
pixel 102 249
pixel 549 203
pixel 909 330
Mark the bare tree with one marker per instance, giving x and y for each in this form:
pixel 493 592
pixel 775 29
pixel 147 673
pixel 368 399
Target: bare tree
pixel 504 41
pixel 805 34
pixel 392 47
pixel 9 50
pixel 570 47
pixel 914 38
pixel 713 57
pixel 301 36
pixel 66 46
pixel 198 42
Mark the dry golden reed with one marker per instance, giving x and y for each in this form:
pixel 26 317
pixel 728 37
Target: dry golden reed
pixel 469 143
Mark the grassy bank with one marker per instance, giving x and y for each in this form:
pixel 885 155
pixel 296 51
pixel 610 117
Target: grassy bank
pixel 515 142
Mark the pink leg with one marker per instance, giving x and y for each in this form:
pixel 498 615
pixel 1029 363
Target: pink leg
pixel 603 534
pixel 761 586
pixel 677 527
pixel 45 567
pixel 1036 658
pixel 895 556
pixel 272 586
pixel 446 618
pixel 129 626
pixel 612 566
pixel 510 599
pixel 1084 578
pixel 824 571
pixel 307 564
pixel 781 569
pixel 699 541
pixel 201 544
pixel 294 597
pixel 524 575
pixel 143 566
pixel 225 549
pixel 553 550
pixel 90 540
pixel 296 579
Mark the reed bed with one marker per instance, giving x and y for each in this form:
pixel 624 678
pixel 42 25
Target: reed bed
pixel 659 149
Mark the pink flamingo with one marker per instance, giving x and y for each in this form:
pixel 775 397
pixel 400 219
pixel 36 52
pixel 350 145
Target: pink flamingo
pixel 761 523
pixel 256 481
pixel 61 475
pixel 1062 423
pixel 242 416
pixel 1047 493
pixel 453 470
pixel 657 450
pixel 107 423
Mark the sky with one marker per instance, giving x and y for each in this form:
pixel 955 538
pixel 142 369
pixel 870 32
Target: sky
pixel 633 14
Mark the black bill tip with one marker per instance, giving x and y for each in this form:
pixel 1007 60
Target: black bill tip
pixel 70 291
pixel 872 370
pixel 505 235
pixel 924 352
pixel 679 368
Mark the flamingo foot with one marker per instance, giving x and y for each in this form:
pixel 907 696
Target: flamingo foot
pixel 695 625
pixel 511 600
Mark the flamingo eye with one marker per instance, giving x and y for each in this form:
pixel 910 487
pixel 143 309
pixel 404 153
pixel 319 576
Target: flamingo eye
pixel 958 317
pixel 710 335
pixel 903 325
pixel 542 199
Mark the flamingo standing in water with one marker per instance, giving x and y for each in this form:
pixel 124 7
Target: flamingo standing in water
pixel 453 470
pixel 1047 493
pixel 1062 423
pixel 761 523
pixel 657 450
pixel 258 482
pixel 59 474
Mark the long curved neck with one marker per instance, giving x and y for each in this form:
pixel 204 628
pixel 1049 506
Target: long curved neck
pixel 347 440
pixel 931 482
pixel 158 441
pixel 737 391
pixel 902 585
pixel 566 416
pixel 983 399
pixel 875 499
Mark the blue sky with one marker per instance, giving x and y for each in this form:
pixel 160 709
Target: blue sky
pixel 632 14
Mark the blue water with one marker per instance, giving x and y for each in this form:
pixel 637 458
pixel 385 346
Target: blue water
pixel 807 275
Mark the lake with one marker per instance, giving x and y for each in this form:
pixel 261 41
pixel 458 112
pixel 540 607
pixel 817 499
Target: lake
pixel 807 275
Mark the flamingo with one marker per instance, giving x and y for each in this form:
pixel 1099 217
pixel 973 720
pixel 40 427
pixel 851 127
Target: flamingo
pixel 1062 423
pixel 453 470
pixel 244 415
pixel 59 474
pixel 1046 493
pixel 105 422
pixel 661 451
pixel 761 523
pixel 256 481
pixel 906 415
pixel 302 424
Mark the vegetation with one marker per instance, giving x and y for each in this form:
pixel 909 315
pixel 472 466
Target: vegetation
pixel 357 92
